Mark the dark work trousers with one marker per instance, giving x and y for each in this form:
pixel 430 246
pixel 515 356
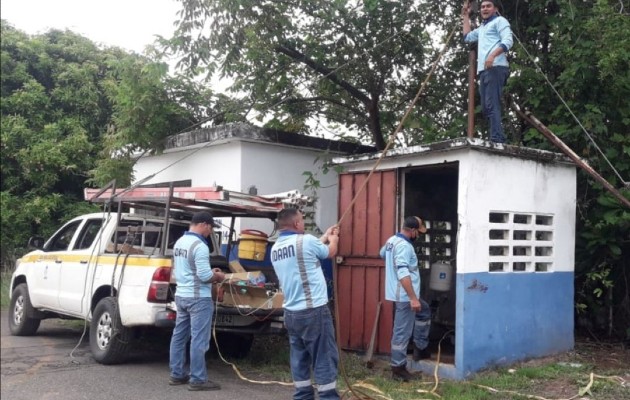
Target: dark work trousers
pixel 491 82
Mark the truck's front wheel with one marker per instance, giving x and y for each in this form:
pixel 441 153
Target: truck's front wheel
pixel 109 339
pixel 20 321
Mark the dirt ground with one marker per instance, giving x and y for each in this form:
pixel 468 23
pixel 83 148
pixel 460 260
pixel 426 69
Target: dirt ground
pixel 607 361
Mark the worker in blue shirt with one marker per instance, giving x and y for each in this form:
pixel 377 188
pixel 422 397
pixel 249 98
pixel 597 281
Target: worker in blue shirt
pixel 193 298
pixel 412 316
pixel 494 39
pixel 296 260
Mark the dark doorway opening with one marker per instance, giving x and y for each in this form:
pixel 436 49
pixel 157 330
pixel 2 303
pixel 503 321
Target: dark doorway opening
pixel 431 193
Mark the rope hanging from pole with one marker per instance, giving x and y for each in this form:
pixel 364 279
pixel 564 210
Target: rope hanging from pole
pixel 390 142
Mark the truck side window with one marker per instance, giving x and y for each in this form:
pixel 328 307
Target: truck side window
pixel 61 240
pixel 174 233
pixel 153 239
pixel 88 234
pixel 131 239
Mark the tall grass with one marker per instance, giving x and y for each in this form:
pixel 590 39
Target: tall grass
pixel 5 281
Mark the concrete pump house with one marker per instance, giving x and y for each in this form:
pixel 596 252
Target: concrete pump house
pixel 497 260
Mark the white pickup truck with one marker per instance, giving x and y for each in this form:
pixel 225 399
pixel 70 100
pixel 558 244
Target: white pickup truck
pixel 114 270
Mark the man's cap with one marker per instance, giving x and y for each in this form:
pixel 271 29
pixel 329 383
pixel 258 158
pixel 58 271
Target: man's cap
pixel 201 217
pixel 414 222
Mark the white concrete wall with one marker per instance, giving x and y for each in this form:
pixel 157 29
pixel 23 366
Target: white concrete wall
pixel 219 163
pixel 274 169
pixel 237 165
pixel 496 183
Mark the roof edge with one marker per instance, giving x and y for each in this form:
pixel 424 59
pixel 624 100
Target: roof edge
pixel 243 131
pixel 463 143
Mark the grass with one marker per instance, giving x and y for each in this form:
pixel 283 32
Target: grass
pixel 557 377
pixel 5 281
pixel 267 360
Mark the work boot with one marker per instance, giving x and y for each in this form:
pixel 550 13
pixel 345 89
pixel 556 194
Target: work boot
pixel 208 385
pixel 401 374
pixel 420 354
pixel 178 381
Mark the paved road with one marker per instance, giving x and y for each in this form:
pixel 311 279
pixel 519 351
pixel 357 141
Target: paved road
pixel 40 367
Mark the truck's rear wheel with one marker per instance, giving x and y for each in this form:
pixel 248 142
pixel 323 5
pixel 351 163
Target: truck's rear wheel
pixel 20 321
pixel 109 339
pixel 234 345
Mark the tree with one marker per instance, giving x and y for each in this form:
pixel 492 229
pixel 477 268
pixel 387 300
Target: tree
pixel 354 63
pixel 65 103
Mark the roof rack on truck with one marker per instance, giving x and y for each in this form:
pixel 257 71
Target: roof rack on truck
pixel 191 199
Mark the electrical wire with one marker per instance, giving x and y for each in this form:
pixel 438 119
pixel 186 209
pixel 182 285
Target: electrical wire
pixel 539 69
pixel 234 367
pixel 104 220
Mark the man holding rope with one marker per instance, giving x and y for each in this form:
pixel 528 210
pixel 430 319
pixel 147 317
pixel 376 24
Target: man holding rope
pixel 402 286
pixel 193 298
pixel 494 39
pixel 295 258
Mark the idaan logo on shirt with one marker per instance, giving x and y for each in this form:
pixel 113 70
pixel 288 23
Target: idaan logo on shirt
pixel 282 253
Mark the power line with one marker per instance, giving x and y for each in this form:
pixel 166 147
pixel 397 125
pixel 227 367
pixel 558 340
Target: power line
pixel 625 183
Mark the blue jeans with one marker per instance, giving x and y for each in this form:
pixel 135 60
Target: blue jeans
pixel 491 82
pixel 313 346
pixel 194 319
pixel 408 323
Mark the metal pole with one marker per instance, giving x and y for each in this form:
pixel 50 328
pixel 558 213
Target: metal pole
pixel 472 58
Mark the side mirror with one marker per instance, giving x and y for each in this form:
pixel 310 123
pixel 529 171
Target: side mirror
pixel 36 242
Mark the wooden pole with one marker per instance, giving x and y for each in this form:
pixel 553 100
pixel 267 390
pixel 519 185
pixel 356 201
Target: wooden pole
pixel 370 352
pixel 472 58
pixel 472 72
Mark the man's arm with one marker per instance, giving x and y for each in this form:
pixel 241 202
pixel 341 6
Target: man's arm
pixel 505 32
pixel 413 299
pixel 331 238
pixel 490 59
pixel 333 244
pixel 466 18
pixel 202 263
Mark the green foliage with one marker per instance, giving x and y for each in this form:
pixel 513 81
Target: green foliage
pixel 71 112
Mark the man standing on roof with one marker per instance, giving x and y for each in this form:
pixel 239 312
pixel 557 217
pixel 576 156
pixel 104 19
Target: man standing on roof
pixel 494 39
pixel 193 298
pixel 412 316
pixel 296 261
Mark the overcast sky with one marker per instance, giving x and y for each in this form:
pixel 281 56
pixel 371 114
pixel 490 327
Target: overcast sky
pixel 130 24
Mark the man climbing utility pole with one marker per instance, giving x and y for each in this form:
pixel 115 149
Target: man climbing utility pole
pixel 494 39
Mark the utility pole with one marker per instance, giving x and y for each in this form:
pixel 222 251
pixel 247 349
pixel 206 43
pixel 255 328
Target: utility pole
pixel 472 72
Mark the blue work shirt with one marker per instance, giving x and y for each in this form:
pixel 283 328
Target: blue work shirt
pixel 493 32
pixel 296 261
pixel 400 262
pixel 193 273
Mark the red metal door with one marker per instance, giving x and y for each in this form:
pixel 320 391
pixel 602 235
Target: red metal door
pixel 361 273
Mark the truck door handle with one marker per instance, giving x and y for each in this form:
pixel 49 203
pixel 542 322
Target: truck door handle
pixel 83 261
pixel 58 261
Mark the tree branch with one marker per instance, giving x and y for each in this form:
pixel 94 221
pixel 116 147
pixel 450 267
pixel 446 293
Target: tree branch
pixel 359 113
pixel 325 71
